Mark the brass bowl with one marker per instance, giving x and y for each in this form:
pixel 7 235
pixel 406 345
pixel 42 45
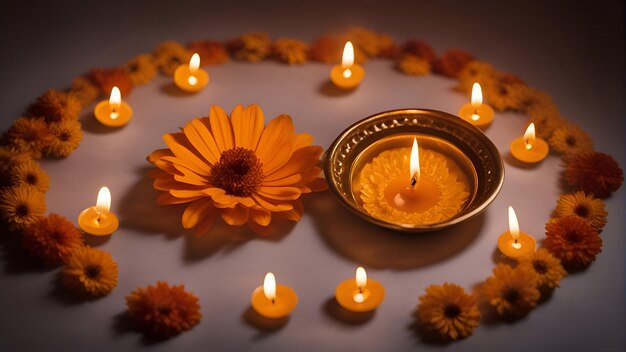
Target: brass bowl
pixel 476 157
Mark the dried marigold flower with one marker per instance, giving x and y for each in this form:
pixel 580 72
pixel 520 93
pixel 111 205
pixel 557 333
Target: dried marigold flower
pixel 29 173
pixel 595 173
pixel 499 94
pixel 53 239
pixel 421 49
pixel 512 291
pixel 211 52
pixel 546 118
pixel 90 272
pixel 107 78
pixel 370 43
pixel 84 90
pixel 452 62
pixel 251 47
pixel 10 158
pixel 290 51
pixel 28 135
pixel 573 240
pixel 169 55
pixel 66 137
pixel 413 65
pixel 547 267
pixel 476 71
pixel 526 99
pixel 55 106
pixel 570 140
pixel 141 69
pixel 21 206
pixel 449 311
pixel 583 205
pixel 326 49
pixel 163 310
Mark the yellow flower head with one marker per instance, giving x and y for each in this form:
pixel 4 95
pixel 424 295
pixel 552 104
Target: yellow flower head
pixel 290 51
pixel 449 311
pixel 66 136
pixel 21 206
pixel 90 272
pixel 372 44
pixel 527 99
pixel 169 55
pixel 29 135
pixel 413 65
pixel 10 158
pixel 512 291
pixel 141 69
pixel 211 52
pixel 84 90
pixel 546 118
pixel 55 106
pixel 570 140
pixel 583 205
pixel 573 241
pixel 30 174
pixel 251 47
pixel 547 267
pixel 476 71
pixel 236 168
pixel 53 239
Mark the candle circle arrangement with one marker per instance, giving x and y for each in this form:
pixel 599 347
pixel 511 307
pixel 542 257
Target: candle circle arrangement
pixel 410 170
pixel 466 176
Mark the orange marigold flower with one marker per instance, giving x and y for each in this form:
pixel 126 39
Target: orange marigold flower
pixel 476 71
pixel 28 135
pixel 326 49
pixel 66 137
pixel 10 158
pixel 55 106
pixel 53 239
pixel 29 173
pixel 449 311
pixel 237 168
pixel 547 267
pixel 141 69
pixel 21 206
pixel 526 99
pixel 370 43
pixel 90 272
pixel 546 118
pixel 84 90
pixel 163 310
pixel 290 51
pixel 452 62
pixel 595 173
pixel 107 78
pixel 583 205
pixel 211 52
pixel 413 65
pixel 570 140
pixel 573 240
pixel 421 49
pixel 169 55
pixel 251 47
pixel 512 291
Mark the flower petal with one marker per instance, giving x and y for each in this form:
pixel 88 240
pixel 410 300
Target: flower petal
pixel 196 212
pixel 200 137
pixel 287 181
pixel 280 193
pixel 221 128
pixel 302 140
pixel 276 144
pixel 302 160
pixel 185 157
pixel 205 225
pixel 271 204
pixel 261 216
pixel 294 214
pixel 168 199
pixel 247 126
pixel 186 193
pixel 235 216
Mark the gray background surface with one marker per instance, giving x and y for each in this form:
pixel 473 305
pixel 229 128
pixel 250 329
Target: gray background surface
pixel 573 50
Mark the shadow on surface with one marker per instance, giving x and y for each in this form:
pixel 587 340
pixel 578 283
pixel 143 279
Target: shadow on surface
pixel 327 88
pixel 265 326
pixel 65 296
pixel 335 311
pixel 172 90
pixel 424 335
pixel 91 125
pixel 376 247
pixel 123 324
pixel 510 159
pixel 16 260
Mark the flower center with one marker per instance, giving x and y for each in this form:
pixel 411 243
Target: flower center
pixel 511 295
pixel 92 271
pixel 571 141
pixel 451 311
pixel 31 179
pixel 239 172
pixel 165 310
pixel 581 210
pixel 64 136
pixel 22 210
pixel 572 236
pixel 540 266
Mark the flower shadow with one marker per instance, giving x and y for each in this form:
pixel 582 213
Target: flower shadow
pixel 362 242
pixel 16 260
pixel 424 335
pixel 123 324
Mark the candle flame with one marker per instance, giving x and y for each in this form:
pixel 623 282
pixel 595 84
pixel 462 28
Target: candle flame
pixel 103 202
pixel 194 63
pixel 513 224
pixel 529 136
pixel 361 277
pixel 192 80
pixel 115 101
pixel 477 95
pixel 415 162
pixel 347 59
pixel 269 286
pixel 347 73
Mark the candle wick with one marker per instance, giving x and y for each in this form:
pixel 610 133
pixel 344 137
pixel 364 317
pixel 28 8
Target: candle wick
pixel 413 181
pixel 273 300
pixel 98 219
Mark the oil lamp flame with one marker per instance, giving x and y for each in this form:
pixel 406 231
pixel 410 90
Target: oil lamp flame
pixel 529 136
pixel 513 225
pixel 415 163
pixel 347 60
pixel 194 63
pixel 115 101
pixel 477 95
pixel 103 202
pixel 361 278
pixel 269 286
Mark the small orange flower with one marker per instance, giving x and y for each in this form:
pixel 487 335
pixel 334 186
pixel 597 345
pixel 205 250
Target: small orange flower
pixel 570 140
pixel 476 71
pixel 84 90
pixel 527 99
pixel 326 49
pixel 421 49
pixel 583 205
pixel 29 173
pixel 251 47
pixel 66 136
pixel 595 173
pixel 370 43
pixel 452 62
pixel 573 240
pixel 55 106
pixel 29 135
pixel 163 310
pixel 547 267
pixel 53 239
pixel 169 55
pixel 90 272
pixel 10 158
pixel 141 69
pixel 546 118
pixel 107 78
pixel 512 291
pixel 413 65
pixel 290 51
pixel 21 206
pixel 211 52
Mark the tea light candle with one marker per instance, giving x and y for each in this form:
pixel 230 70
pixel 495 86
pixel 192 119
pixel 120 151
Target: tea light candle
pixel 475 112
pixel 97 220
pixel 514 243
pixel 114 112
pixel 360 294
pixel 348 75
pixel 413 194
pixel 273 301
pixel 528 148
pixel 191 78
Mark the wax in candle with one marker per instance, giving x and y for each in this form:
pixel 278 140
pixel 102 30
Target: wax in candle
pixel 528 148
pixel 360 294
pixel 191 78
pixel 272 300
pixel 348 75
pixel 412 199
pixel 475 112
pixel 514 243
pixel 113 112
pixel 98 220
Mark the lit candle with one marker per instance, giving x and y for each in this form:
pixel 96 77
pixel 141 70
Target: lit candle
pixel 360 294
pixel 348 75
pixel 475 112
pixel 98 220
pixel 412 193
pixel 191 78
pixel 514 243
pixel 113 112
pixel 529 148
pixel 273 301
